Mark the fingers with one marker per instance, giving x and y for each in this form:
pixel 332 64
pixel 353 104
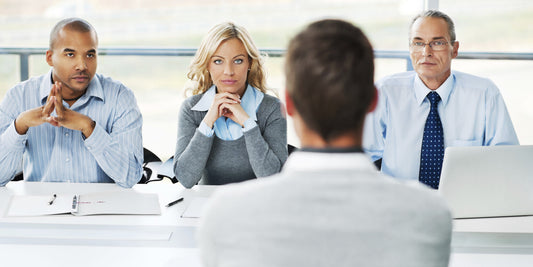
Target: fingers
pixel 59 91
pixel 58 102
pixel 224 110
pixel 60 109
pixel 235 112
pixel 53 121
pixel 224 99
pixel 228 98
pixel 49 106
pixel 50 102
pixel 219 107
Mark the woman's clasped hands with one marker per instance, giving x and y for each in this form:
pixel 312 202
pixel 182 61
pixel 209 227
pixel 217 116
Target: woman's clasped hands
pixel 226 105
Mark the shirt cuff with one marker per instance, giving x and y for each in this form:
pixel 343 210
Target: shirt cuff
pixel 12 137
pixel 98 140
pixel 205 130
pixel 249 124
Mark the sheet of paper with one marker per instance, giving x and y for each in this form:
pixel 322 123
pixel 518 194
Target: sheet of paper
pixel 120 202
pixel 195 208
pixel 40 205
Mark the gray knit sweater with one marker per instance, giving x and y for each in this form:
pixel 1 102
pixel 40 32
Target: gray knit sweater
pixel 260 152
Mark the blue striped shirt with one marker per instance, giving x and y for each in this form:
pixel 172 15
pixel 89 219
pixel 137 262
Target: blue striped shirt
pixel 112 153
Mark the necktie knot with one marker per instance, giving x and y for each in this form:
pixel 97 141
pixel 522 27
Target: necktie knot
pixel 434 98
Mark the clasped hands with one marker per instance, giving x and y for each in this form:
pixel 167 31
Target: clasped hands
pixel 227 105
pixel 65 117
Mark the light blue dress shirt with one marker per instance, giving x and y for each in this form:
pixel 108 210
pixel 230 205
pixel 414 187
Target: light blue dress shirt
pixel 227 129
pixel 112 153
pixel 472 112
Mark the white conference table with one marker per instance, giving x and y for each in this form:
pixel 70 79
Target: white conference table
pixel 504 241
pixel 100 240
pixel 169 240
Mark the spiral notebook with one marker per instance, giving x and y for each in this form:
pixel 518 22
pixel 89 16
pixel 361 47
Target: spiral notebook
pixel 120 202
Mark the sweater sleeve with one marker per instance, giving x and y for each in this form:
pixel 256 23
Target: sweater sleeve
pixel 192 148
pixel 267 150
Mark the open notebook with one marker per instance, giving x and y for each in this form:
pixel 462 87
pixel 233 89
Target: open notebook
pixel 488 181
pixel 119 202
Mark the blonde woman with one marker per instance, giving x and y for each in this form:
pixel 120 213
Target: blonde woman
pixel 230 130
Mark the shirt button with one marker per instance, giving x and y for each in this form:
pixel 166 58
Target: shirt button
pixel 68 159
pixel 66 134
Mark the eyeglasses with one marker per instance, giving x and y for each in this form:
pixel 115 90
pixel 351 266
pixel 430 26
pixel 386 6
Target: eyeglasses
pixel 437 45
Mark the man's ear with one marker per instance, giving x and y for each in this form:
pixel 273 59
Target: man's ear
pixel 374 102
pixel 455 51
pixel 49 58
pixel 289 104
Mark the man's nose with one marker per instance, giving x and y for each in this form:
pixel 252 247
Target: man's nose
pixel 81 65
pixel 427 51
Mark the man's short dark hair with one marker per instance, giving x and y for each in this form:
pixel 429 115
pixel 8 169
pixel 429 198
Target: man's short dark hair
pixel 330 77
pixel 75 24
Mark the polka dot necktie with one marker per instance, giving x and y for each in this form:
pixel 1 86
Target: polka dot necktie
pixel 432 146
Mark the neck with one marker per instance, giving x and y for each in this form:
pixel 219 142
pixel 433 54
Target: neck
pixel 435 82
pixel 348 140
pixel 73 99
pixel 311 139
pixel 70 99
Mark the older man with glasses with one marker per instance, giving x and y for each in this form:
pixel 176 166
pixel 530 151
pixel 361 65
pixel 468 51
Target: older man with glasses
pixel 422 112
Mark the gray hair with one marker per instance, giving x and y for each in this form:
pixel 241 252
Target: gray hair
pixel 436 14
pixel 75 24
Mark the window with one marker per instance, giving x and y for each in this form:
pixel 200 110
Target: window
pixel 481 25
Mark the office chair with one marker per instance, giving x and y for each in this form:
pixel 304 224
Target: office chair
pixel 377 163
pixel 149 157
pixel 18 177
pixel 291 148
pixel 166 170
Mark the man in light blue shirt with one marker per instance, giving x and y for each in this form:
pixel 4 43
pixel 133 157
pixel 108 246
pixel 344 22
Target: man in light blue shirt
pixel 71 124
pixel 471 108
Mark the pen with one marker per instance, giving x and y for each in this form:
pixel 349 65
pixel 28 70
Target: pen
pixel 174 202
pixel 52 200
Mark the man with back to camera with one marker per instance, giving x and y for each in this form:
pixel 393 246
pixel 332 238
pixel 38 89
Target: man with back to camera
pixel 71 125
pixel 329 206
pixel 422 112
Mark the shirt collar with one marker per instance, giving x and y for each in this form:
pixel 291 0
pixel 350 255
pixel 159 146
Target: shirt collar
pixel 207 99
pixel 357 149
pixel 444 91
pixel 250 100
pixel 94 89
pixel 314 161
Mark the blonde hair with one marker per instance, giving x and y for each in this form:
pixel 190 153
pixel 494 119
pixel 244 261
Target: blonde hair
pixel 198 73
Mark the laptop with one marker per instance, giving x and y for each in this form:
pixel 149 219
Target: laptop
pixel 488 181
